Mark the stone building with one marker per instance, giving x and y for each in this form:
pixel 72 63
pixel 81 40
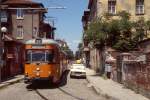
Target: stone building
pixel 137 8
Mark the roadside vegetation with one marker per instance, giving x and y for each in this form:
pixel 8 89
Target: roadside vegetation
pixel 121 33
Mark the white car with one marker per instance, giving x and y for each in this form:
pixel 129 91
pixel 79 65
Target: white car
pixel 78 70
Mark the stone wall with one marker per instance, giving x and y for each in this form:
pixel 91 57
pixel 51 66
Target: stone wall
pixel 136 74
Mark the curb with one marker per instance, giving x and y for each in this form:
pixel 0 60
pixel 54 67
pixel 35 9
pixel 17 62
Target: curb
pixel 99 92
pixel 93 87
pixel 7 83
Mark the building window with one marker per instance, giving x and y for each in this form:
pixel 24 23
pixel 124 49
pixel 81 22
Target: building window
pixel 139 6
pixel 4 16
pixel 20 14
pixel 20 32
pixel 112 6
pixel 35 32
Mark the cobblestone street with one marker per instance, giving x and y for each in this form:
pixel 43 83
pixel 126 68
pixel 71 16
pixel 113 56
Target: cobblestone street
pixel 71 89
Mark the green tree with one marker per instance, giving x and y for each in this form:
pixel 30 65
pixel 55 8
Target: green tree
pixel 97 31
pixel 140 27
pixel 113 32
pixel 117 33
pixel 80 46
pixel 124 42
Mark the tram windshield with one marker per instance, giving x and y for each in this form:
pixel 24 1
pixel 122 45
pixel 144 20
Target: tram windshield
pixel 40 56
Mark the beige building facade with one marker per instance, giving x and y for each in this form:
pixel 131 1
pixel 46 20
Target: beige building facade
pixel 97 8
pixel 137 8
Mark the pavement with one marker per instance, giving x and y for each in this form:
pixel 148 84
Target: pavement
pixel 110 89
pixel 11 81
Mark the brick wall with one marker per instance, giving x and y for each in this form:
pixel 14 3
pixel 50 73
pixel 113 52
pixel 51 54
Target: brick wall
pixel 136 75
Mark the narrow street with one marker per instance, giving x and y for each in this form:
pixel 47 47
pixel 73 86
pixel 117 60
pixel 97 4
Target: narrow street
pixel 43 42
pixel 70 89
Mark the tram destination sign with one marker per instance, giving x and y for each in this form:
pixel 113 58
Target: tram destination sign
pixel 38 41
pixel 38 46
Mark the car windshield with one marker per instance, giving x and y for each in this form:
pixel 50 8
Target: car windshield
pixel 78 66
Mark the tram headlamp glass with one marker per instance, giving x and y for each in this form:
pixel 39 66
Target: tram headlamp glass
pixel 49 72
pixel 37 74
pixel 37 69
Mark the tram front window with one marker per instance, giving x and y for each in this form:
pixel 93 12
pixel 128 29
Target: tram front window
pixel 40 56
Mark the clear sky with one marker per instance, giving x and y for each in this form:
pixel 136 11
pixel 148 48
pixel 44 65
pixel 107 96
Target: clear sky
pixel 67 21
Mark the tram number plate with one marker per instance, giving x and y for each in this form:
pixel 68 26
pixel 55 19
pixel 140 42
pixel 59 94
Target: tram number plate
pixel 38 46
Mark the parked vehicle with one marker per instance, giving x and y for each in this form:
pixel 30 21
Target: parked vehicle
pixel 78 70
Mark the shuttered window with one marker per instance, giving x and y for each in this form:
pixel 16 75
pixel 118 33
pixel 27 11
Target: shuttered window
pixel 139 6
pixel 20 32
pixel 20 13
pixel 112 7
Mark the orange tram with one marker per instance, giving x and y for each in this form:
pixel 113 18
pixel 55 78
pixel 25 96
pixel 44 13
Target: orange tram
pixel 44 60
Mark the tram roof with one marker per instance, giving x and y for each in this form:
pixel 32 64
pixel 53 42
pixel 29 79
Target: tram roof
pixel 44 41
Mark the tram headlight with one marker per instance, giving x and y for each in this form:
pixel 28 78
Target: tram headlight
pixel 37 74
pixel 38 69
pixel 26 73
pixel 57 71
pixel 49 72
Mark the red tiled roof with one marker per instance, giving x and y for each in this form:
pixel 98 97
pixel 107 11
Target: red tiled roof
pixel 20 2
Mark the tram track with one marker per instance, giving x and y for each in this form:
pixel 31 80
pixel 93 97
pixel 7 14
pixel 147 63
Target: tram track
pixel 69 94
pixel 65 92
pixel 60 89
pixel 41 95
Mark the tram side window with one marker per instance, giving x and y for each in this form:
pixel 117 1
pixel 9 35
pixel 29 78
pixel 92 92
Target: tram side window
pixel 28 57
pixel 50 57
